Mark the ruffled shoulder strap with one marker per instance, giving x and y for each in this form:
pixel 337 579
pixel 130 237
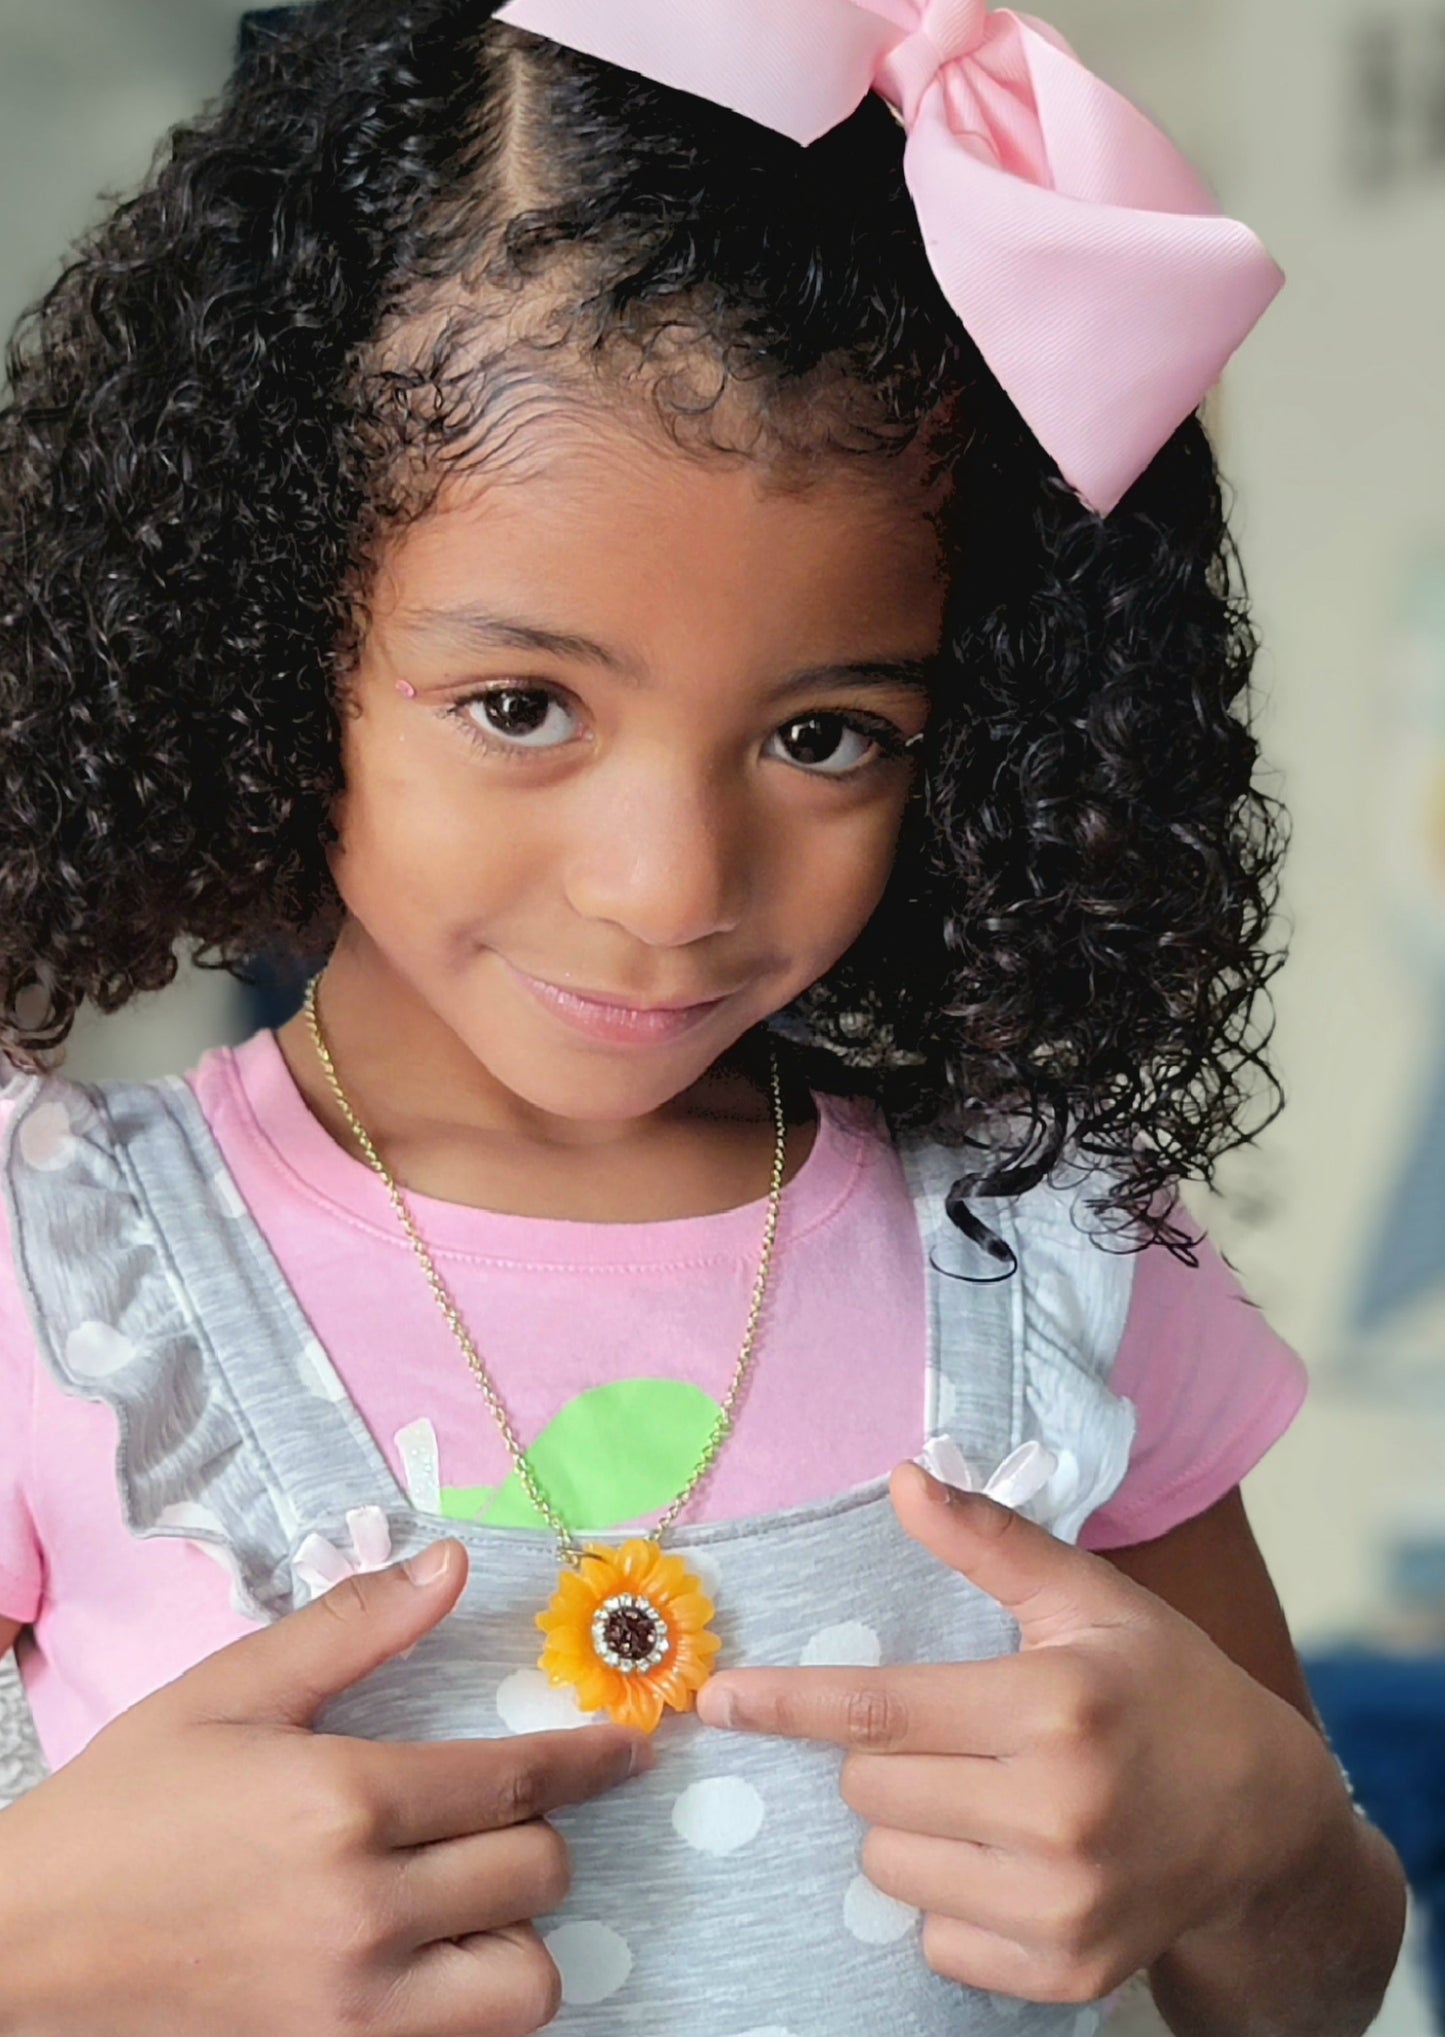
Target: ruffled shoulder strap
pixel 1024 1355
pixel 151 1290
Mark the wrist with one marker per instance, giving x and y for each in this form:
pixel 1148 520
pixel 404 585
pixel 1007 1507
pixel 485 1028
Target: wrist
pixel 1306 1943
pixel 1302 1831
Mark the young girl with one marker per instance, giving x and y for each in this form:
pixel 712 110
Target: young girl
pixel 668 555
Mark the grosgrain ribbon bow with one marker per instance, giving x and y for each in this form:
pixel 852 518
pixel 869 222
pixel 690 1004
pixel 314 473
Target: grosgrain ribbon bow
pixel 1086 257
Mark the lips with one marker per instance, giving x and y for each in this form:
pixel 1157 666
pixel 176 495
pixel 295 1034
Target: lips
pixel 645 1007
pixel 611 1003
pixel 602 1017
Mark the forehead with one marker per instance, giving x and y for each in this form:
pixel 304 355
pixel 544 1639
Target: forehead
pixel 607 525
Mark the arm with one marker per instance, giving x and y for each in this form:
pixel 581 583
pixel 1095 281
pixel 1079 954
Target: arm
pixel 1312 1953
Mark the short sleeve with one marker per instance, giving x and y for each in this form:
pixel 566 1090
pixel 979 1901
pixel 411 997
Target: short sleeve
pixel 22 1566
pixel 1214 1388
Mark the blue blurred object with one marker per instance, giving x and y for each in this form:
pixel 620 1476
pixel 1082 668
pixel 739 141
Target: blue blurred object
pixel 1385 1715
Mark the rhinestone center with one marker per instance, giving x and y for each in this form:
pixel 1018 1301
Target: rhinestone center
pixel 630 1634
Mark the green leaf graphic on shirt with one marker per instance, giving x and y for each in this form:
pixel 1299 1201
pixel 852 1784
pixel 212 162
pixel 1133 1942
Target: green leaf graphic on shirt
pixel 612 1455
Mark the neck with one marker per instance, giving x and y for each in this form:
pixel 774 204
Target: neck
pixel 412 1080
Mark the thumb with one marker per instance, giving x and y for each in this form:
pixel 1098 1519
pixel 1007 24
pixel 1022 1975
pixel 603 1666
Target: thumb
pixel 284 1674
pixel 1054 1590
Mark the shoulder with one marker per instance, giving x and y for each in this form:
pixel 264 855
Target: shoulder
pixel 1071 1284
pixel 1215 1387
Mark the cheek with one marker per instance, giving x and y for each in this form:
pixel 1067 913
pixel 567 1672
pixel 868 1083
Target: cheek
pixel 834 876
pixel 430 848
pixel 417 837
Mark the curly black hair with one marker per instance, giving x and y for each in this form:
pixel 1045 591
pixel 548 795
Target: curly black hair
pixel 259 364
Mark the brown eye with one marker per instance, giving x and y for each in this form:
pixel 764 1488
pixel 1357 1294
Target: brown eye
pixel 518 718
pixel 829 745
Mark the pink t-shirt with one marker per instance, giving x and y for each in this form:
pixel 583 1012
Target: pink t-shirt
pixel 629 1330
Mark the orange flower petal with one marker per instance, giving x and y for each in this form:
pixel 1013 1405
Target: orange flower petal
pixel 574 1592
pixel 570 1657
pixel 593 1682
pixel 698 1647
pixel 599 1574
pixel 691 1612
pixel 640 1706
pixel 670 1575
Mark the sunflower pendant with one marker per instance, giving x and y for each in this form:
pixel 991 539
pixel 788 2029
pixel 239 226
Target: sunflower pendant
pixel 629 1631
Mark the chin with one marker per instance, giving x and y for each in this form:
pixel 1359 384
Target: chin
pixel 596 1086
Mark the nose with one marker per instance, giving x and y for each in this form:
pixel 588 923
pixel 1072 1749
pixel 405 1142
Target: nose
pixel 663 857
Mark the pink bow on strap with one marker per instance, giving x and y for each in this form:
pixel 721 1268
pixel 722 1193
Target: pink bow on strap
pixel 1087 259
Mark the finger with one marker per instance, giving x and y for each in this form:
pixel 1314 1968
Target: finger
pixel 482 1883
pixel 1013 1895
pixel 425 1791
pixel 942 1796
pixel 504 1982
pixel 1054 1589
pixel 995 1965
pixel 285 1673
pixel 978 1708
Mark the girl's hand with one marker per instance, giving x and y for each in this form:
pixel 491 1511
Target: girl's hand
pixel 210 1867
pixel 1064 1815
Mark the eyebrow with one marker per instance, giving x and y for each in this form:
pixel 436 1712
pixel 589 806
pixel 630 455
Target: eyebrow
pixel 475 630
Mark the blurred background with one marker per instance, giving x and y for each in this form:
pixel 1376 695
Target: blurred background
pixel 1322 123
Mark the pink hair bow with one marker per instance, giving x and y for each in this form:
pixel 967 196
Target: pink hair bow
pixel 1088 260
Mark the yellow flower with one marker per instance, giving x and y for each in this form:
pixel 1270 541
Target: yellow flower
pixel 628 1630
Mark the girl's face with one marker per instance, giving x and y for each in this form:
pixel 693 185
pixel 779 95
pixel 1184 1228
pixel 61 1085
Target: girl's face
pixel 627 724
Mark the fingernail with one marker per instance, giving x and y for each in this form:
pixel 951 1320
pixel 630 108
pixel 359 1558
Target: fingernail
pixel 430 1565
pixel 643 1757
pixel 722 1708
pixel 941 1494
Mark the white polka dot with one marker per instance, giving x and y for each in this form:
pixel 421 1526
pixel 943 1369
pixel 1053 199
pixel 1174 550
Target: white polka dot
pixel 719 1815
pixel 593 1961
pixel 318 1374
pixel 528 1703
pixel 874 1918
pixel 96 1351
pixel 192 1515
pixel 849 1646
pixel 947 1402
pixel 47 1138
pixel 228 1197
pixel 705 1569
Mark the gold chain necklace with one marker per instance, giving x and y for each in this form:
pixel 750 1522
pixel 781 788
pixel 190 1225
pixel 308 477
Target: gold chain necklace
pixel 629 1628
